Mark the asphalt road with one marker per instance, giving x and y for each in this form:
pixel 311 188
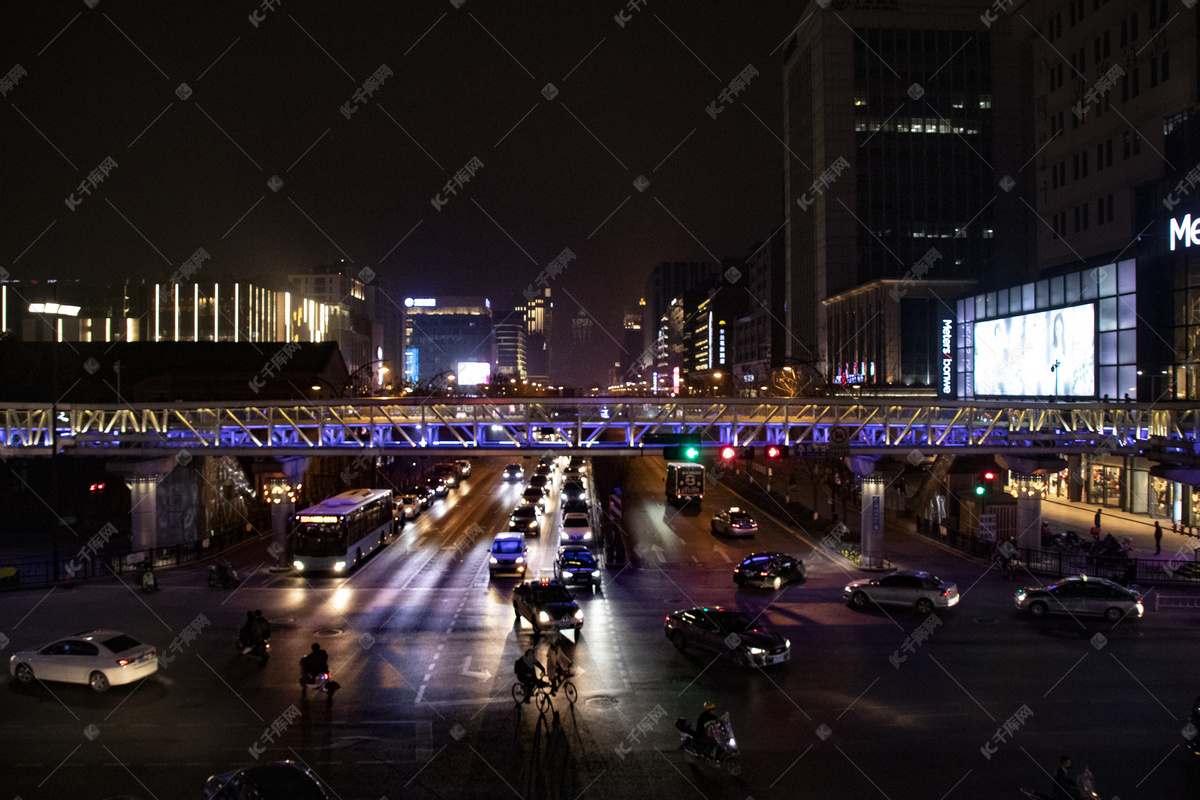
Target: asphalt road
pixel 423 644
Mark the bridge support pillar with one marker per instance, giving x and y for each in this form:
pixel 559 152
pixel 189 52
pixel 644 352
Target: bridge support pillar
pixel 281 488
pixel 872 521
pixel 1029 511
pixel 142 478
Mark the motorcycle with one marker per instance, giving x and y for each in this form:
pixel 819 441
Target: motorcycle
pixel 715 746
pixel 223 575
pixel 1070 542
pixel 260 649
pixel 318 683
pixel 1084 789
pixel 146 577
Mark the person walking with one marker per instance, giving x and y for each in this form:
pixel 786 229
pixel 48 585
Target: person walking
pixel 1157 537
pixel 1096 523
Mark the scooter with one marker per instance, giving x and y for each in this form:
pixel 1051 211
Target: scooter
pixel 260 649
pixel 146 576
pixel 223 575
pixel 1084 789
pixel 719 750
pixel 318 683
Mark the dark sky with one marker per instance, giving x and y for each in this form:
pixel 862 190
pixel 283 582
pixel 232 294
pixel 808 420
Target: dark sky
pixel 265 101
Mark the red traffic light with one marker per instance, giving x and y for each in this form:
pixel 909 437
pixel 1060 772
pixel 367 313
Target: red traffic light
pixel 989 476
pixel 728 453
pixel 773 451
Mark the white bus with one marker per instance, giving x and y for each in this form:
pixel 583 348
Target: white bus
pixel 338 533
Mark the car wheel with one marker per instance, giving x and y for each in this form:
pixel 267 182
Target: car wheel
pixel 679 640
pixel 924 606
pixel 1038 609
pixel 734 767
pixel 1114 614
pixel 24 673
pixel 98 682
pixel 859 599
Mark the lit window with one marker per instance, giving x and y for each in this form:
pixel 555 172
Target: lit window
pixel 985 101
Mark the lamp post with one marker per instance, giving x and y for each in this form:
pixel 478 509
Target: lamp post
pixel 1054 368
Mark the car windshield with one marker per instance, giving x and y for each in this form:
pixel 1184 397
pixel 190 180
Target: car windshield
pixel 730 621
pixel 525 512
pixel 512 468
pixel 507 546
pixel 578 560
pixel 575 522
pixel 121 643
pixel 551 594
pixel 534 494
pixel 739 516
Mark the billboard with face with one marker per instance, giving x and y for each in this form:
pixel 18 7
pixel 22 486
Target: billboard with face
pixel 1043 353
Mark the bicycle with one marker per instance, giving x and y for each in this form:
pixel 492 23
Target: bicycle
pixel 541 695
pixel 567 687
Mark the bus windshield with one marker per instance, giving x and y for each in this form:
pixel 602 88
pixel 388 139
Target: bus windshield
pixel 321 539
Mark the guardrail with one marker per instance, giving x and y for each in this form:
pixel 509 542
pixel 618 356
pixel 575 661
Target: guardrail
pixel 1175 601
pixel 33 573
pixel 1059 564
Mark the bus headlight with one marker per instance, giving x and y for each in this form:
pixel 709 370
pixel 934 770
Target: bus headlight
pixel 298 564
pixel 339 566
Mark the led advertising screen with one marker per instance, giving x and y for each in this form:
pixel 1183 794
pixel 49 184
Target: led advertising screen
pixel 1043 353
pixel 474 373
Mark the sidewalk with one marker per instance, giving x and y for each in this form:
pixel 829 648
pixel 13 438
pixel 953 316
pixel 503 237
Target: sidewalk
pixel 1078 517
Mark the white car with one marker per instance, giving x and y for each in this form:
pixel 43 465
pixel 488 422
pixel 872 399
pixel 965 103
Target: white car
pixel 918 590
pixel 100 658
pixel 575 529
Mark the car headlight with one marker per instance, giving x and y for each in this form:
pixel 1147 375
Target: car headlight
pixel 755 651
pixel 339 566
pixel 567 572
pixel 587 537
pixel 493 560
pixel 1140 608
pixel 520 559
pixel 1021 596
pixel 543 616
pixel 579 614
pixel 595 573
pixel 298 564
pixel 787 643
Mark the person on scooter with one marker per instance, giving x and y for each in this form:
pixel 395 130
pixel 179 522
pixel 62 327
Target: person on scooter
pixel 1064 784
pixel 246 634
pixel 703 739
pixel 261 629
pixel 314 664
pixel 527 669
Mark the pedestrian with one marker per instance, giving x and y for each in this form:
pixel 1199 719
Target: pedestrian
pixel 1096 524
pixel 1157 537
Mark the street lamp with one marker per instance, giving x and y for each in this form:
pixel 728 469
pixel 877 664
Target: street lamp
pixel 1054 368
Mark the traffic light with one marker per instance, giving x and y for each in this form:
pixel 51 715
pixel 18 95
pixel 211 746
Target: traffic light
pixel 775 452
pixel 986 482
pixel 684 452
pixel 730 453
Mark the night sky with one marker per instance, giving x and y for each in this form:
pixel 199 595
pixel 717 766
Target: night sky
pixel 193 172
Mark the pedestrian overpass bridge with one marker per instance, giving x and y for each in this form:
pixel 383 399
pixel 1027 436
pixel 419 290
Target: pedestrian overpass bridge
pixel 617 426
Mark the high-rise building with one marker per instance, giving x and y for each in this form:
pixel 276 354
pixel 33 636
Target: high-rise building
pixel 446 333
pixel 894 151
pixel 538 314
pixel 511 346
pixel 1113 80
pixel 633 358
pixel 669 281
pixel 759 332
pixel 370 326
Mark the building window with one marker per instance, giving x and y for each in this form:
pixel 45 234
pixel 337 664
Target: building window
pixel 1110 208
pixel 1076 219
pixel 1108 153
pixel 1096 52
pixel 1166 65
pixel 1054 177
pixel 1075 167
pixel 1135 82
pixel 1125 87
pixel 1053 73
pixel 1085 216
pixel 1133 31
pixel 1083 162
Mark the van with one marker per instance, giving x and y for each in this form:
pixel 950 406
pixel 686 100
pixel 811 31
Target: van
pixel 508 554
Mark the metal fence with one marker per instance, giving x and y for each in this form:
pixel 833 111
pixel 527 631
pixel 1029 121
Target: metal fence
pixel 1180 572
pixel 32 573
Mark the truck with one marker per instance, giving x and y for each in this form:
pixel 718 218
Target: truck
pixel 685 482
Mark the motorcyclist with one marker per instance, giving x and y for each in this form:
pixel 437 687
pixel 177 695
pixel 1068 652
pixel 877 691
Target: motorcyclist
pixel 260 628
pixel 527 668
pixel 706 742
pixel 1003 555
pixel 1063 782
pixel 246 636
pixel 314 664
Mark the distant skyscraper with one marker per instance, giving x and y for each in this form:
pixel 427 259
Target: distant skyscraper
pixel 668 281
pixel 901 126
pixel 446 332
pixel 538 314
pixel 511 346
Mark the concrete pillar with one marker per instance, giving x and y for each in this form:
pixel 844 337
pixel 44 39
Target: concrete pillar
pixel 1139 482
pixel 142 478
pixel 872 521
pixel 1029 511
pixel 281 489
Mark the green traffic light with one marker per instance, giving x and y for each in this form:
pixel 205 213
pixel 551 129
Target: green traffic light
pixel 692 453
pixel 979 490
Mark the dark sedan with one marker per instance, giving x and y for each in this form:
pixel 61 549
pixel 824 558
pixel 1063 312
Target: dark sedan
pixel 727 631
pixel 573 489
pixel 283 780
pixel 769 571
pixel 525 520
pixel 547 605
pixel 513 472
pixel 575 567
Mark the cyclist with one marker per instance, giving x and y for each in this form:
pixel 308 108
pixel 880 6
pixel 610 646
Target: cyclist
pixel 558 666
pixel 527 669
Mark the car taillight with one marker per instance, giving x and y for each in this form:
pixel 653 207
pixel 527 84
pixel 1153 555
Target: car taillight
pixel 124 662
pixel 947 593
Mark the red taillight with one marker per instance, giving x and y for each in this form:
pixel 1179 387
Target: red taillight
pixel 947 593
pixel 124 662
